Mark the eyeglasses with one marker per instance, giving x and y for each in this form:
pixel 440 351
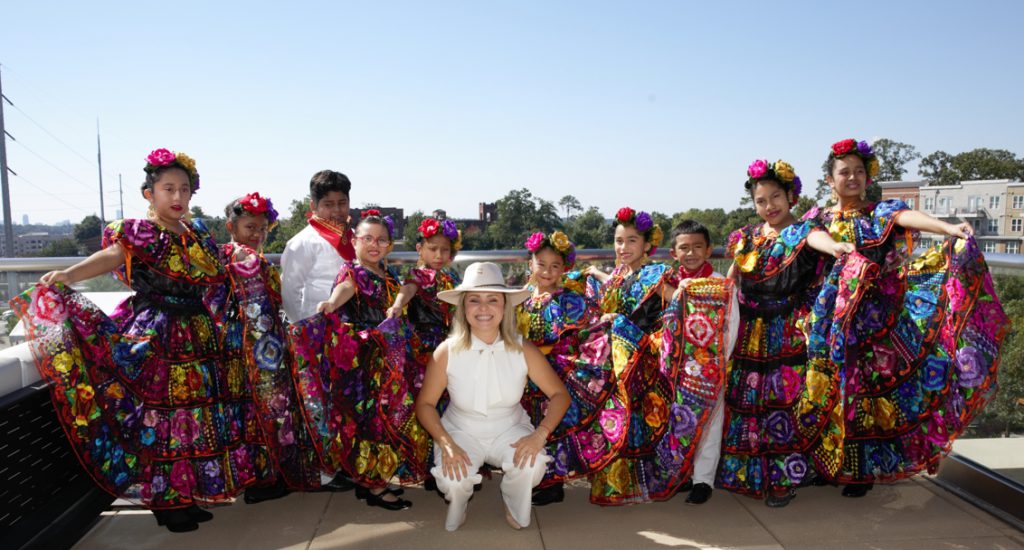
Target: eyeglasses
pixel 369 239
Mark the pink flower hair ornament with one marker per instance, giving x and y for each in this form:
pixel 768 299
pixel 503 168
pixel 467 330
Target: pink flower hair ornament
pixel 159 158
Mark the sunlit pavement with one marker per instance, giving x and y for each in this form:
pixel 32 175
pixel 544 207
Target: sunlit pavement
pixel 909 514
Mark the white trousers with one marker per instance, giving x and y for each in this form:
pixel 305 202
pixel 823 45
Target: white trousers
pixel 709 450
pixel 516 483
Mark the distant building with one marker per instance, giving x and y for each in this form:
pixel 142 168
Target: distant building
pixel 488 212
pixel 906 191
pixel 29 244
pixel 994 208
pixel 24 219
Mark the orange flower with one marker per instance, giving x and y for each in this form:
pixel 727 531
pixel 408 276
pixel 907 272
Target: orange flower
pixel 655 410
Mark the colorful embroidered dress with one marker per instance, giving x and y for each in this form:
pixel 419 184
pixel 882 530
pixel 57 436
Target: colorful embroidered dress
pixel 592 431
pixel 350 369
pixel 255 344
pixel 430 317
pixel 765 437
pixel 669 363
pixel 142 394
pixel 902 354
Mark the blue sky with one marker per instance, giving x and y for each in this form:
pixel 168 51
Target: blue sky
pixel 658 105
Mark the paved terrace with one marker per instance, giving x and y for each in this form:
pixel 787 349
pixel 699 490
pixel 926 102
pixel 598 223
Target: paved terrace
pixel 912 514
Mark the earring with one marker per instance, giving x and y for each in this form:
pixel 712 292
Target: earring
pixel 863 194
pixel 835 197
pixel 151 212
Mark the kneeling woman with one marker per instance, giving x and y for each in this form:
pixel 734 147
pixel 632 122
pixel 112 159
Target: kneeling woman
pixel 484 365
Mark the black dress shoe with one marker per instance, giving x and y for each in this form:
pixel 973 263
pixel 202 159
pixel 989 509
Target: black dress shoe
pixel 339 484
pixel 549 495
pixel 857 491
pixel 393 505
pixel 176 521
pixel 700 494
pixel 781 499
pixel 197 514
pixel 259 494
pixel 363 492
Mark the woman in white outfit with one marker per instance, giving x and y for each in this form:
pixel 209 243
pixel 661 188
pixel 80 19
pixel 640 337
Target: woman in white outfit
pixel 484 365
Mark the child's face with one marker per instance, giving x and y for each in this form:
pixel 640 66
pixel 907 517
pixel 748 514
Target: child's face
pixel 435 252
pixel 372 243
pixel 771 202
pixel 170 195
pixel 249 230
pixel 484 310
pixel 630 245
pixel 333 206
pixel 691 251
pixel 849 177
pixel 547 267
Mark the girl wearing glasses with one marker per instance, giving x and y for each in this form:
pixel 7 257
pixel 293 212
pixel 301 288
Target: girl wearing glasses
pixel 350 365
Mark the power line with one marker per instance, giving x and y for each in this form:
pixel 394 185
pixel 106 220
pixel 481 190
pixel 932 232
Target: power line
pixel 49 133
pixel 51 195
pixel 54 166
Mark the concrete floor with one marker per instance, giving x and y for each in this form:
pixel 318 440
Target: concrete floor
pixel 910 514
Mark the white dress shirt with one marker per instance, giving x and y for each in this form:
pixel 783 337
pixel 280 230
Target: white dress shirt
pixel 309 266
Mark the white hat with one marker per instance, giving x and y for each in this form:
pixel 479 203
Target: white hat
pixel 484 277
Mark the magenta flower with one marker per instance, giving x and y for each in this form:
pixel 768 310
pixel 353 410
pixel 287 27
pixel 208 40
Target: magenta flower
pixel 161 157
pixel 533 243
pixel 758 168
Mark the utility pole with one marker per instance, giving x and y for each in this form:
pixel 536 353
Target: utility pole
pixel 4 187
pixel 120 194
pixel 99 163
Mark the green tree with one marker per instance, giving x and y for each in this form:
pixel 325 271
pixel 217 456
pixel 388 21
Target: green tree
pixel 288 227
pixel 1004 415
pixel 519 213
pixel 940 168
pixel 893 157
pixel 590 230
pixel 412 224
pixel 570 204
pixel 87 233
pixel 937 168
pixel 60 248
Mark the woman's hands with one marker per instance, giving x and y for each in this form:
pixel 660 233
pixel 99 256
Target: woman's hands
pixel 962 230
pixel 529 446
pixel 455 462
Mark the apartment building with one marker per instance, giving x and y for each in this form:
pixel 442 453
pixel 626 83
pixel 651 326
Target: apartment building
pixel 995 208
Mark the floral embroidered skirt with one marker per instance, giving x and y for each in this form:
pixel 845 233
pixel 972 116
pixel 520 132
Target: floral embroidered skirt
pixel 911 355
pixel 764 434
pixel 357 400
pixel 592 431
pixel 138 395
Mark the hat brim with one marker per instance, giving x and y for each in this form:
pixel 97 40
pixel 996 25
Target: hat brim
pixel 514 295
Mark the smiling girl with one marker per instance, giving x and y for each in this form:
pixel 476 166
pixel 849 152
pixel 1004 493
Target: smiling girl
pixel 141 392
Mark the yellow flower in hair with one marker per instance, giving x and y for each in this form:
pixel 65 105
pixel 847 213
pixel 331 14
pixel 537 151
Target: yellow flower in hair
pixel 186 162
pixel 657 235
pixel 560 241
pixel 784 170
pixel 873 168
pixel 457 245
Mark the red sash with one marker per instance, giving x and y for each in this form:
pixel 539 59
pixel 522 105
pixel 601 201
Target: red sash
pixel 704 271
pixel 339 236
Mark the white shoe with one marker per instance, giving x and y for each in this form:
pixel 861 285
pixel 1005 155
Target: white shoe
pixel 456 516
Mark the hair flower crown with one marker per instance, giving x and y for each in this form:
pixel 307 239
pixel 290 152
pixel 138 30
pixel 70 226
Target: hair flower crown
pixel 862 149
pixel 557 241
pixel 255 205
pixel 431 226
pixel 644 224
pixel 780 171
pixel 164 157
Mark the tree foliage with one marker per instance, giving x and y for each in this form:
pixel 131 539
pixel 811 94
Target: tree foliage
pixel 60 248
pixel 1005 414
pixel 893 157
pixel 288 227
pixel 941 168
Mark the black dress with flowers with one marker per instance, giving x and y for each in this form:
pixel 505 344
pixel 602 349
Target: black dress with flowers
pixel 564 326
pixel 902 354
pixel 255 345
pixel 668 405
pixel 765 435
pixel 142 394
pixel 350 368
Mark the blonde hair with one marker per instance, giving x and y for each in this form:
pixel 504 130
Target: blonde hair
pixel 459 336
